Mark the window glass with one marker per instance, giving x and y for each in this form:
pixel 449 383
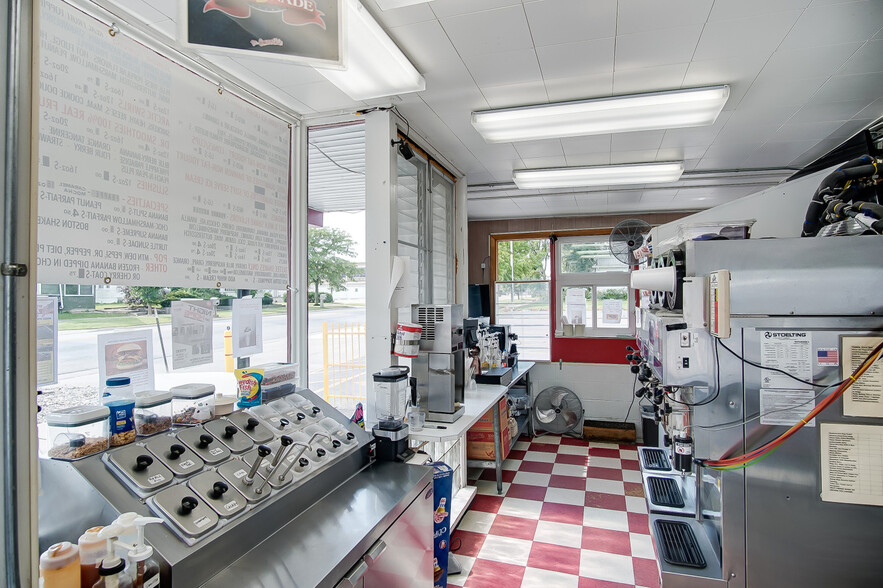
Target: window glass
pixel 525 308
pixel 522 260
pixel 589 257
pixel 612 308
pixel 71 290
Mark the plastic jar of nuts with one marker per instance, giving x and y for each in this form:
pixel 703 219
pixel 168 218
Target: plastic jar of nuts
pixel 192 404
pixel 153 412
pixel 78 432
pixel 118 397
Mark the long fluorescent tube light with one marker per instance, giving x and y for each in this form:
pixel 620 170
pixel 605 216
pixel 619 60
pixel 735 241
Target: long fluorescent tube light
pixel 617 114
pixel 376 67
pixel 601 175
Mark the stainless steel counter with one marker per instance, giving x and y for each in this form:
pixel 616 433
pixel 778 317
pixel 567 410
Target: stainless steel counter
pixel 319 546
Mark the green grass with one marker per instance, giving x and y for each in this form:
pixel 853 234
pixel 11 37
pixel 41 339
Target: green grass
pixel 77 321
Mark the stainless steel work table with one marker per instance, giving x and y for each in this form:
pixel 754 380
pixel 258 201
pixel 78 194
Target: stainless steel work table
pixel 318 547
pixel 477 401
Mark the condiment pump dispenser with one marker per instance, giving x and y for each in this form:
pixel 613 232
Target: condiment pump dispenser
pixel 112 567
pixel 143 569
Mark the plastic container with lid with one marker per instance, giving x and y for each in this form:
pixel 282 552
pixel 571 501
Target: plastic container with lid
pixel 60 565
pixel 279 380
pixel 120 399
pixel 92 549
pixel 192 404
pixel 153 412
pixel 78 432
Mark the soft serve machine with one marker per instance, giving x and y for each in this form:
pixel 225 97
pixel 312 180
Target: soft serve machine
pixel 744 341
pixel 284 494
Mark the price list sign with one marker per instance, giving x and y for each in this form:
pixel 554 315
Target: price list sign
pixel 149 175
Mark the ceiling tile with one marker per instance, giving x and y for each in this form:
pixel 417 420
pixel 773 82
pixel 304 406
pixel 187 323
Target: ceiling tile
pixel 680 153
pixel 589 144
pixel 508 67
pixel 543 162
pixel 868 59
pixel 750 127
pixel 647 79
pixel 579 87
pixel 854 87
pixel 564 21
pixel 166 27
pixel 491 31
pixel 576 59
pixel 808 62
pixel 811 131
pixel 637 140
pixel 445 8
pixel 637 16
pixel 736 71
pixel 280 74
pixel 545 148
pixel 771 91
pixel 588 158
pixel 748 8
pixel 873 110
pixel 843 23
pixel 515 94
pixel 695 136
pixel 762 33
pixel 816 111
pixel 656 196
pixel 633 156
pixel 774 154
pixel 428 47
pixel 733 153
pixel 402 16
pixel 656 47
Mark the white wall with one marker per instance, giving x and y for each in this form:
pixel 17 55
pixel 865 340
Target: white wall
pixel 604 389
pixel 779 210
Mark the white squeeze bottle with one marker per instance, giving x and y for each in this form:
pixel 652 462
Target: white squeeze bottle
pixel 143 570
pixel 112 569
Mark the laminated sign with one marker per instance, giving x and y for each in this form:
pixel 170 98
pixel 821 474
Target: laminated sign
pixel 305 31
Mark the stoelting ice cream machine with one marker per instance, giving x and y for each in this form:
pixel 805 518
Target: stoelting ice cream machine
pixel 766 332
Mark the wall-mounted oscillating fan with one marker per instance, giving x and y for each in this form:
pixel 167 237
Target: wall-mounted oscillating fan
pixel 558 410
pixel 626 237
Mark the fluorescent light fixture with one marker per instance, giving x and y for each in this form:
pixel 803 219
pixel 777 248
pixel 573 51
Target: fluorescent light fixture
pixel 601 175
pixel 392 4
pixel 617 114
pixel 376 67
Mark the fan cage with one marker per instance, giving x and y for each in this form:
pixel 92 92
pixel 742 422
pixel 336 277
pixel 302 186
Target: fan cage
pixel 567 403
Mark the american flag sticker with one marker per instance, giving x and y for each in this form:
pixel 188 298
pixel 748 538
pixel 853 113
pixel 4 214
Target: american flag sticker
pixel 828 356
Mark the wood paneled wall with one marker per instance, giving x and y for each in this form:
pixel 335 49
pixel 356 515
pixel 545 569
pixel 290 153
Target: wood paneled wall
pixel 480 232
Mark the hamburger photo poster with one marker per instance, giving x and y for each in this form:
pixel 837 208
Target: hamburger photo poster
pixel 127 354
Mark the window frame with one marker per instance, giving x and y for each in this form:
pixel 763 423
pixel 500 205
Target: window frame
pixel 593 281
pixel 495 240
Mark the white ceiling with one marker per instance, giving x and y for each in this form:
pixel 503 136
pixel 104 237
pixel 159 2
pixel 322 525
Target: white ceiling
pixel 804 76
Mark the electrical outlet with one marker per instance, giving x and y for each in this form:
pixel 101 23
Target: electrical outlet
pixel 483 265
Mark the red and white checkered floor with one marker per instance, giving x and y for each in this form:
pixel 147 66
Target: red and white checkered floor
pixel 572 515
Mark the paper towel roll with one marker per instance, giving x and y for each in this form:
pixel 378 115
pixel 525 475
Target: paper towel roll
pixel 660 279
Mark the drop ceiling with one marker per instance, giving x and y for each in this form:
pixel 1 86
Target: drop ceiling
pixel 804 75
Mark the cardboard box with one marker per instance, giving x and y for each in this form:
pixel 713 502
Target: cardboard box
pixel 480 438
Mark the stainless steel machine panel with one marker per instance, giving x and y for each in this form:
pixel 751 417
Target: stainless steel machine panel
pixel 252 426
pixel 214 491
pixel 174 455
pixel 189 514
pixel 204 444
pixel 440 380
pixel 139 469
pixel 442 326
pixel 229 434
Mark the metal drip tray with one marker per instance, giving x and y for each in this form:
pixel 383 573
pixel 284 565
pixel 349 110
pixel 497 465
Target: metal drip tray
pixel 676 495
pixel 664 491
pixel 678 544
pixel 654 459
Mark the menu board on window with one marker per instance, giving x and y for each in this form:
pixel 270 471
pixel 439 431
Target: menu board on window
pixel 148 174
